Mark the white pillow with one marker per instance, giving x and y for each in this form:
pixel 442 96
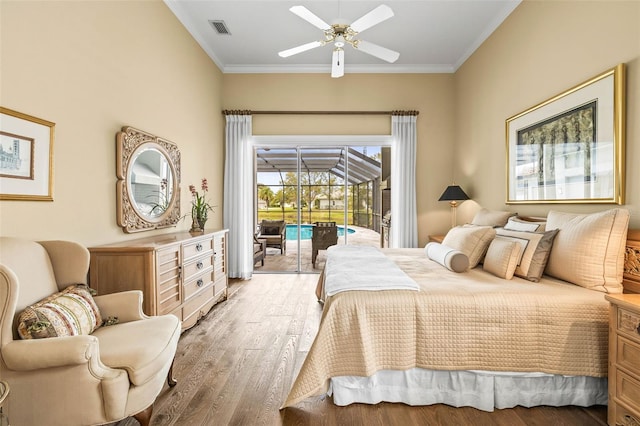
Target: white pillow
pixel 493 218
pixel 453 260
pixel 471 240
pixel 502 257
pixel 589 248
pixel 525 225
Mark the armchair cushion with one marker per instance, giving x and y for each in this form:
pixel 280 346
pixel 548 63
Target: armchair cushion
pixel 70 312
pixel 120 346
pixel 271 230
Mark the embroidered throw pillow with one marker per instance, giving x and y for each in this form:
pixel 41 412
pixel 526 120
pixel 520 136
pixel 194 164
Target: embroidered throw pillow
pixel 71 312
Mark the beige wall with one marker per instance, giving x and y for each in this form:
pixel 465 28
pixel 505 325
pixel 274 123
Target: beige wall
pixel 430 94
pixel 100 65
pixel 541 50
pixel 91 68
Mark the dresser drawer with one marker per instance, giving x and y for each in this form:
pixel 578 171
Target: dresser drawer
pixel 197 283
pixel 627 389
pixel 628 324
pixel 628 356
pixel 196 248
pixel 197 267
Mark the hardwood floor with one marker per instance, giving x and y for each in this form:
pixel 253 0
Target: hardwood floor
pixel 237 365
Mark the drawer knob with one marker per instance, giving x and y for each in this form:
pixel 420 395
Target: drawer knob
pixel 200 282
pixel 199 265
pixel 198 247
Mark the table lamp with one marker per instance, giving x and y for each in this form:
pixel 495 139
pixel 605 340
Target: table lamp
pixel 453 194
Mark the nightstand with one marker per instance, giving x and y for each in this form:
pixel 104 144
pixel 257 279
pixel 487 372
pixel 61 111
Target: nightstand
pixel 436 238
pixel 624 359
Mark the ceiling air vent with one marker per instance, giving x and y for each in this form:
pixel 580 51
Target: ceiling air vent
pixel 220 27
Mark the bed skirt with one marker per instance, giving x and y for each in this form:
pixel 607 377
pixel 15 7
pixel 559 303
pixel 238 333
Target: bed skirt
pixel 484 390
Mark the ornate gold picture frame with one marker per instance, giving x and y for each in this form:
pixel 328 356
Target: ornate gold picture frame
pixel 570 148
pixel 26 157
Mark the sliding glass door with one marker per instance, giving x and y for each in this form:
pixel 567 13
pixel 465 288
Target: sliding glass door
pixel 309 187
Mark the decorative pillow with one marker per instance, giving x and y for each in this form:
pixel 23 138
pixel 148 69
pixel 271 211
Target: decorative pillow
pixel 589 248
pixel 529 224
pixel 493 218
pixel 502 257
pixel 453 260
pixel 535 251
pixel 470 240
pixel 70 312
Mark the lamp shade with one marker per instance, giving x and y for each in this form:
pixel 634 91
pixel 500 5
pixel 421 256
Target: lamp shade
pixel 453 193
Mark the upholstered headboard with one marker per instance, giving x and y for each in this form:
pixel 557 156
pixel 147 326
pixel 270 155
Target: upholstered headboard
pixel 631 280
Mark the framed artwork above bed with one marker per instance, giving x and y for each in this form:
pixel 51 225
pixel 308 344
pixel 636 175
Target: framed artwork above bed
pixel 570 148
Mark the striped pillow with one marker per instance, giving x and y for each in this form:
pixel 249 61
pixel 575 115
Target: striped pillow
pixel 71 312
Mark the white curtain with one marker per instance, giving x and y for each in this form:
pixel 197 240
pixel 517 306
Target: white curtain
pixel 238 196
pixel 404 220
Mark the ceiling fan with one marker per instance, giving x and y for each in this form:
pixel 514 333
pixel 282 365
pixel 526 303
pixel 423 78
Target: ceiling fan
pixel 341 34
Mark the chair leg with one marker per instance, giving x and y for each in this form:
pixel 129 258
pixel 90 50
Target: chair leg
pixel 144 416
pixel 171 381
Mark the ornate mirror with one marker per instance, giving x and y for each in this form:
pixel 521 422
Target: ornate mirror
pixel 148 188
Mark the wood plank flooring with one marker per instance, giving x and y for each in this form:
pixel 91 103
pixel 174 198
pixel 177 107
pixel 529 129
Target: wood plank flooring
pixel 237 366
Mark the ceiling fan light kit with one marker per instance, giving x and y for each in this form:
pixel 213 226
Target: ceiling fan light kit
pixel 342 34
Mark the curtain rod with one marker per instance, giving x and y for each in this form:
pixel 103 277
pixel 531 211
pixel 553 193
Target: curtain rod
pixel 249 112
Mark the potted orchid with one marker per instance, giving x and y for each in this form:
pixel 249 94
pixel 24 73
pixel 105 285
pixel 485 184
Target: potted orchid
pixel 200 207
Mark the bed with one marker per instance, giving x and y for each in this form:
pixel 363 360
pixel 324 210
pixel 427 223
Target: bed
pixel 470 338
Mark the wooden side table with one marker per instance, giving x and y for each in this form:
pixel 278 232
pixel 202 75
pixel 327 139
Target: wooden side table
pixel 436 238
pixel 624 359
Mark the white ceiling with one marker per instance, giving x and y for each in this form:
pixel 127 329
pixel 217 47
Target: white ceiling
pixel 432 36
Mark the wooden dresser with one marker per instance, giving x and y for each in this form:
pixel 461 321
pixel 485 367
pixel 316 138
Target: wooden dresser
pixel 624 359
pixel 179 273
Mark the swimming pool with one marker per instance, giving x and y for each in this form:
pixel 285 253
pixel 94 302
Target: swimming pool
pixel 307 230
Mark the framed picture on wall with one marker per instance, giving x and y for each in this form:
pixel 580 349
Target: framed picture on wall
pixel 570 148
pixel 26 157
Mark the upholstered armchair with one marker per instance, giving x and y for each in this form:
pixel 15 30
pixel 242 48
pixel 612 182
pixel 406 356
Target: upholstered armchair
pixel 324 235
pixel 86 377
pixel 274 232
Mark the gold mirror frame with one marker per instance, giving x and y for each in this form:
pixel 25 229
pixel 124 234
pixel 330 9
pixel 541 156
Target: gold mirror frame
pixel 129 143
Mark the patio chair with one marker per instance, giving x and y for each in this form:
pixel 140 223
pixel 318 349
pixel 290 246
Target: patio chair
pixel 274 233
pixel 259 250
pixel 325 235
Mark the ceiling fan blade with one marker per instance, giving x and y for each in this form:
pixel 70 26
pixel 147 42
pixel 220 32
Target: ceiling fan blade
pixel 337 63
pixel 300 49
pixel 310 17
pixel 377 51
pixel 377 15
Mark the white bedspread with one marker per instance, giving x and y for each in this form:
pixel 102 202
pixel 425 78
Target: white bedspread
pixel 363 268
